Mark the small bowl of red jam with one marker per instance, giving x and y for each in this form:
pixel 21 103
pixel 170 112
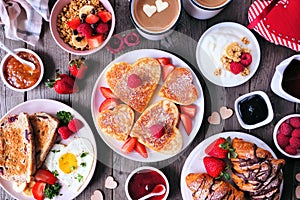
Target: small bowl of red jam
pixel 143 180
pixel 19 77
pixel 254 110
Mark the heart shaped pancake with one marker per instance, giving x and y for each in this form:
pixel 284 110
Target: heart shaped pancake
pixel 164 113
pixel 117 122
pixel 134 92
pixel 179 87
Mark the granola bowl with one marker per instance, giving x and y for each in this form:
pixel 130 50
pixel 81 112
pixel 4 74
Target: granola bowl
pixel 82 27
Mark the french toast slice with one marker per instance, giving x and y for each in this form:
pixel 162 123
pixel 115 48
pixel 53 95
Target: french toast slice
pixel 256 171
pixel 17 148
pixel 166 114
pixel 147 69
pixel 44 128
pixel 179 88
pixel 204 186
pixel 117 122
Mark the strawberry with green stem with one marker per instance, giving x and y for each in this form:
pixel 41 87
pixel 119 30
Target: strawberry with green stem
pixel 221 148
pixel 63 84
pixel 216 167
pixel 78 67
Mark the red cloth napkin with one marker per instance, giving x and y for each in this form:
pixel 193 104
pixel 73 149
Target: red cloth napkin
pixel 277 21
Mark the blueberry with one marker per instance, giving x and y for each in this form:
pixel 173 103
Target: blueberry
pixel 93 11
pixel 83 16
pixel 75 32
pixel 78 39
pixel 94 26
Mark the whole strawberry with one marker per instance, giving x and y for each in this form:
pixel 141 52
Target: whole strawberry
pixel 236 67
pixel 63 84
pixel 215 167
pixel 78 67
pixel 220 148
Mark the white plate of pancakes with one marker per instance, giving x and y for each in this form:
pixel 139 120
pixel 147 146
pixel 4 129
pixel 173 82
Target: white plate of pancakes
pixel 51 107
pixel 194 162
pixel 132 57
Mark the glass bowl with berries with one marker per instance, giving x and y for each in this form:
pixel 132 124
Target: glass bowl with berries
pixel 82 27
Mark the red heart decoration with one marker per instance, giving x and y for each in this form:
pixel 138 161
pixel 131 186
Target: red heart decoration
pixel 277 22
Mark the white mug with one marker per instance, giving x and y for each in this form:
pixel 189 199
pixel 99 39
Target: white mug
pixel 276 83
pixel 196 10
pixel 154 35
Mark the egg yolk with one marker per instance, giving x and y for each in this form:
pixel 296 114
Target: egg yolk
pixel 67 163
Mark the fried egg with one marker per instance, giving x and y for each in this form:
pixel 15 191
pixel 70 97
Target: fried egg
pixel 72 163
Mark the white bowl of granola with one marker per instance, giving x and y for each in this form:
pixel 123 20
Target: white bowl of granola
pixel 82 27
pixel 228 54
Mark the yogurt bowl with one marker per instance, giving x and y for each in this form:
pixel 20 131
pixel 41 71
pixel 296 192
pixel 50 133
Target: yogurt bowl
pixel 211 48
pixel 282 77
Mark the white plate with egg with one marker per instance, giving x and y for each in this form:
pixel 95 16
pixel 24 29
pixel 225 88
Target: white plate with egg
pixel 83 140
pixel 210 49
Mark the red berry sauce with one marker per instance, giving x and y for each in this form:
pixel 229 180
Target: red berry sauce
pixel 142 183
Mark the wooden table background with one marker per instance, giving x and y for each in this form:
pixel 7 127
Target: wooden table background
pixel 183 43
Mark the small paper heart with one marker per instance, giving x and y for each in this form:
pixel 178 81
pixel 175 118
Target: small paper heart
pixel 214 118
pixel 97 195
pixel 225 112
pixel 297 192
pixel 298 177
pixel 161 6
pixel 149 10
pixel 110 183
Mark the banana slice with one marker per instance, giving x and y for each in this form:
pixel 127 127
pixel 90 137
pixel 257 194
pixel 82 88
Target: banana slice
pixel 19 187
pixel 79 43
pixel 233 51
pixel 28 189
pixel 85 10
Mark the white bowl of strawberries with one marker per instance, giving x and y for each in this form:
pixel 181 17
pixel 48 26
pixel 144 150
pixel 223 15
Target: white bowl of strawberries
pixel 82 29
pixel 286 135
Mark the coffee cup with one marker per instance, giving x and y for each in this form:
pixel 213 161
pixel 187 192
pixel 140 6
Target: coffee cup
pixel 155 19
pixel 204 9
pixel 285 81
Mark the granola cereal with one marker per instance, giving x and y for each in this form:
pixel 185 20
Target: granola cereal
pixel 218 72
pixel 73 37
pixel 245 40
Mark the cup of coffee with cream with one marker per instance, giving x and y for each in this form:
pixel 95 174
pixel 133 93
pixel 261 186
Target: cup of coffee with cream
pixel 204 9
pixel 155 19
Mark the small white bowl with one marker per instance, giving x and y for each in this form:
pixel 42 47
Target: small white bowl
pixel 41 70
pixel 57 8
pixel 275 132
pixel 146 169
pixel 269 108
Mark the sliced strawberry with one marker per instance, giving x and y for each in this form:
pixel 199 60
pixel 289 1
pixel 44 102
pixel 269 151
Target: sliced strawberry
pixel 75 125
pixel 190 110
pixel 107 93
pixel 64 132
pixel 91 19
pixel 74 23
pixel 166 70
pixel 133 81
pixel 108 104
pixel 102 28
pixel 141 149
pixel 187 123
pixel 129 145
pixel 95 41
pixel 38 190
pixel 105 16
pixel 163 61
pixel 215 167
pixel 157 130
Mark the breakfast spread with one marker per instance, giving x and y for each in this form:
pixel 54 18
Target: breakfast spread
pixel 84 24
pixel 21 76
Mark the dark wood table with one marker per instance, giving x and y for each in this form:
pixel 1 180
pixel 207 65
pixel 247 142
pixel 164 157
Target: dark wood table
pixel 183 43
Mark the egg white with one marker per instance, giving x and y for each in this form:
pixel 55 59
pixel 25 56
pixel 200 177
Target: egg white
pixel 83 150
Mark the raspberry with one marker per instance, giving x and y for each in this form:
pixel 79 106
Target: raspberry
pixel 236 67
pixel 85 30
pixel 102 28
pixel 296 133
pixel 134 81
pixel 290 150
pixel 246 59
pixel 295 142
pixel 295 122
pixel 285 129
pixel 282 140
